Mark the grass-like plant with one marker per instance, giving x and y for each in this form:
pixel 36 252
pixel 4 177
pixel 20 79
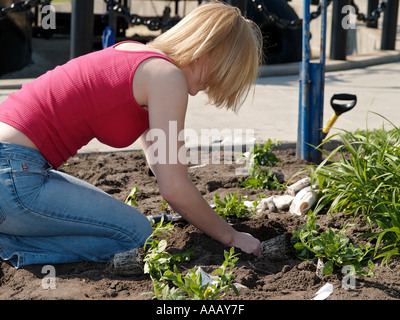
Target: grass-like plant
pixel 365 182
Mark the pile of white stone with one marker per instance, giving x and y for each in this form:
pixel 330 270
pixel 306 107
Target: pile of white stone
pixel 298 198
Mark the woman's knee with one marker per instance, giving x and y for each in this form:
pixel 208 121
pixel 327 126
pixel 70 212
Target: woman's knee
pixel 146 231
pixel 140 230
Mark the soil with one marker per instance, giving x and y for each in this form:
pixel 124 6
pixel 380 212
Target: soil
pixel 285 278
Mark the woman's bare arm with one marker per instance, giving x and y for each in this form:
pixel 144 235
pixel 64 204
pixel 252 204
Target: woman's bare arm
pixel 167 102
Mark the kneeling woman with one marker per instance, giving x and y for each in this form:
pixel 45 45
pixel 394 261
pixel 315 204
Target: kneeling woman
pixel 117 95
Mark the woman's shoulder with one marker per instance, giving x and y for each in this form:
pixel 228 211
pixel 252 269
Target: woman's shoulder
pixel 158 77
pixel 140 48
pixel 160 71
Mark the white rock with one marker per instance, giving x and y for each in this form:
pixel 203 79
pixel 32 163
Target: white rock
pixel 283 202
pixel 267 203
pixel 299 185
pixel 303 201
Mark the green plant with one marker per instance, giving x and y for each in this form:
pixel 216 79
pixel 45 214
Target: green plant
pixel 261 175
pixel 365 182
pixel 333 246
pixel 388 238
pixel 159 265
pixel 192 284
pixel 156 259
pixel 263 155
pixel 130 199
pixel 164 205
pixel 261 178
pixel 233 206
pixel 366 176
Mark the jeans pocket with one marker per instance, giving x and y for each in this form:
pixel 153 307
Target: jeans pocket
pixel 28 178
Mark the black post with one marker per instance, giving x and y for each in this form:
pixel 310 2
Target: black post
pixel 389 25
pixel 82 21
pixel 339 34
pixel 372 5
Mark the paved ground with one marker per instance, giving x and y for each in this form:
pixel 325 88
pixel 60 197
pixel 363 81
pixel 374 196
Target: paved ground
pixel 273 112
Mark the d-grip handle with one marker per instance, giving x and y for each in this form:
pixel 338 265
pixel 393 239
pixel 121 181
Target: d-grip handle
pixel 340 108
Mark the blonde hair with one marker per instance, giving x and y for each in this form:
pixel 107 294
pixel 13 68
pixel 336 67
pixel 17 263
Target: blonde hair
pixel 233 43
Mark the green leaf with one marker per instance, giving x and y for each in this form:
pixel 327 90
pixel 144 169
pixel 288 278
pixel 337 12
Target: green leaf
pixel 162 245
pixel 328 268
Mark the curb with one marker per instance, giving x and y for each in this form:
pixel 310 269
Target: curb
pixel 329 145
pixel 352 62
pixel 13 84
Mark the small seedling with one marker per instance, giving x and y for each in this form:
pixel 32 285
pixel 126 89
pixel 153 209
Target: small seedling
pixel 232 206
pixel 156 259
pixel 263 155
pixel 261 175
pixel 261 178
pixel 130 199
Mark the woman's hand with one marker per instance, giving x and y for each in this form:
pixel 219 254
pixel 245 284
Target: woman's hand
pixel 247 243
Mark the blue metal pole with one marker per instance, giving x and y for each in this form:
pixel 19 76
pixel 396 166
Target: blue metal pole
pixel 323 33
pixel 312 84
pixel 322 58
pixel 303 119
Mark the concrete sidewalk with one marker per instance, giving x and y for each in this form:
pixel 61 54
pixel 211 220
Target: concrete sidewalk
pixel 272 111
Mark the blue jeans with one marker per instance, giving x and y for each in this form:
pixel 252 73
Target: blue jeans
pixel 49 217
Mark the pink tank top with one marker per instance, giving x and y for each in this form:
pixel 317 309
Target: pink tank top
pixel 88 97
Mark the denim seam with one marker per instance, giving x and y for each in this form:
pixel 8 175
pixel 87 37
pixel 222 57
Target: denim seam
pixel 2 216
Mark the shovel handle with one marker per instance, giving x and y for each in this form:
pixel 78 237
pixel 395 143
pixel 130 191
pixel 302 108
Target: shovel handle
pixel 340 108
pixel 328 127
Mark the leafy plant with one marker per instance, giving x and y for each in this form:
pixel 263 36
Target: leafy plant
pixel 159 265
pixel 233 206
pixel 333 246
pixel 156 259
pixel 261 175
pixel 261 178
pixel 263 155
pixel 192 284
